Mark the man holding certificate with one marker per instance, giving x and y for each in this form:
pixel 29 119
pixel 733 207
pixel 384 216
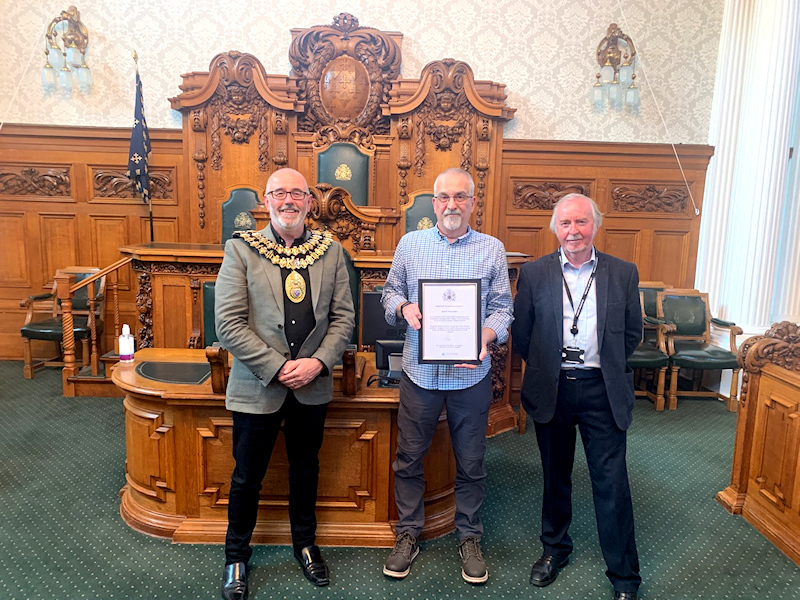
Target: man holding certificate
pixel 450 284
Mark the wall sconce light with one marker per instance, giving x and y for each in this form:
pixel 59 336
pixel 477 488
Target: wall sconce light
pixel 66 65
pixel 615 84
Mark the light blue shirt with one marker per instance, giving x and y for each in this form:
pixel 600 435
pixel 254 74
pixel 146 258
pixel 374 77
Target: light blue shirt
pixel 427 254
pixel 586 340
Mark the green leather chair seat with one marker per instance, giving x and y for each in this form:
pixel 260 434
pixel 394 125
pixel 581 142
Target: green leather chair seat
pixel 647 357
pixel 699 355
pixel 50 329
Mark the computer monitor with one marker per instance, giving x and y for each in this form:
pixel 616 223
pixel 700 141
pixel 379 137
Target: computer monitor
pixel 384 349
pixel 373 322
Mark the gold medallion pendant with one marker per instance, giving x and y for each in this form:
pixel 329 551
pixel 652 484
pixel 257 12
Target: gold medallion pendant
pixel 295 287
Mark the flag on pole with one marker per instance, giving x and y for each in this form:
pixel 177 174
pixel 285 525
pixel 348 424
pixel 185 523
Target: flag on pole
pixel 140 145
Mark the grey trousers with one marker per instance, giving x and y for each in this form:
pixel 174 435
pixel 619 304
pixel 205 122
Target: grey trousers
pixel 467 415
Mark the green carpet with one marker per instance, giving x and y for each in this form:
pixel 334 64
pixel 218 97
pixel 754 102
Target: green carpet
pixel 61 536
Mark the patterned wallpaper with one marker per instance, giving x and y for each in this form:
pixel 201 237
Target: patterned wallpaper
pixel 543 50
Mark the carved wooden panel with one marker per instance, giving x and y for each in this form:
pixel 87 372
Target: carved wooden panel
pixel 649 198
pixel 777 447
pixel 216 439
pixel 59 243
pixel 111 185
pixel 14 266
pixel 35 182
pixel 532 195
pixel 150 444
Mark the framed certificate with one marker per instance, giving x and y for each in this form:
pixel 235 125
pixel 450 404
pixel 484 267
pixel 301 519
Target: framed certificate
pixel 451 321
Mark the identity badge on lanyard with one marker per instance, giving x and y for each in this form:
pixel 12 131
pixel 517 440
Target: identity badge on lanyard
pixel 572 354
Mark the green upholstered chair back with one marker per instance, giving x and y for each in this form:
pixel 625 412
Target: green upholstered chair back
pixel 80 300
pixel 236 212
pixel 688 311
pixel 344 165
pixel 209 328
pixel 648 291
pixel 419 212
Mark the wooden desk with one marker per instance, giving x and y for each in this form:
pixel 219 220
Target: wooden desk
pixel 179 463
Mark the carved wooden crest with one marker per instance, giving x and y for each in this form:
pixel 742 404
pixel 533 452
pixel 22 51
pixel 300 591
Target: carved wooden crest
pixel 780 345
pixel 445 117
pixel 237 110
pixel 544 195
pixel 344 73
pixel 649 198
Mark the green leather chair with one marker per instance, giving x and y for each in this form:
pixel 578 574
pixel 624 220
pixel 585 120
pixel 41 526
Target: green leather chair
pixel 689 345
pixel 651 354
pixel 419 212
pixel 236 212
pixel 343 165
pixel 51 329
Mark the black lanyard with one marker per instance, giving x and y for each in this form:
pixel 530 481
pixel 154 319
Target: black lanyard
pixel 574 329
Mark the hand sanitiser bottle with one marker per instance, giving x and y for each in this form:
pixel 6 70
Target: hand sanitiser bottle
pixel 126 345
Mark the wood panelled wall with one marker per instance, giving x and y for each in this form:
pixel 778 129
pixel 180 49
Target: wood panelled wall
pixel 64 201
pixel 649 214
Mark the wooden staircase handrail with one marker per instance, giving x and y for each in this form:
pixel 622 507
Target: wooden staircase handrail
pixel 105 271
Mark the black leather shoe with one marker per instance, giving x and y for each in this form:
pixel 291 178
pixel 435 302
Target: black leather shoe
pixel 545 570
pixel 625 596
pixel 314 567
pixel 234 581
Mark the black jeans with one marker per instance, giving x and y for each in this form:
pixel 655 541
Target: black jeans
pixel 254 437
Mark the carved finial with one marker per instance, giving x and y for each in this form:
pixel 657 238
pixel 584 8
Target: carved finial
pixel 345 22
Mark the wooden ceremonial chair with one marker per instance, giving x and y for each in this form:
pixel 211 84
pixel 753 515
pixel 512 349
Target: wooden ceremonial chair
pixel 689 344
pixel 88 305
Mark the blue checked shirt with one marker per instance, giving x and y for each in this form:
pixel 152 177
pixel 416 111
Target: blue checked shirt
pixel 427 254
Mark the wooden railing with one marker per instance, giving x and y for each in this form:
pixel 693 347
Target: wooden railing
pixel 66 286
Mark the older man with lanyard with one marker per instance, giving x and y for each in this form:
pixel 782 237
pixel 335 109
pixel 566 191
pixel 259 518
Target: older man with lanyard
pixel 451 250
pixel 577 320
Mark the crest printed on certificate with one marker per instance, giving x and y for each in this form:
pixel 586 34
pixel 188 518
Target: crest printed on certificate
pixel 451 321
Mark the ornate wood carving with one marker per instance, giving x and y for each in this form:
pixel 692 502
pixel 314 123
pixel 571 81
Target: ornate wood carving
pixel 344 73
pixel 144 304
pixel 373 277
pixel 281 129
pixel 330 134
pixel 650 198
pixel 544 195
pixel 237 109
pixel 445 116
pixel 200 158
pixel 780 345
pixel 28 181
pixel 499 354
pixel 329 211
pixel 115 184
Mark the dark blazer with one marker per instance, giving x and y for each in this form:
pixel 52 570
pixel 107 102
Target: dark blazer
pixel 537 332
pixel 250 324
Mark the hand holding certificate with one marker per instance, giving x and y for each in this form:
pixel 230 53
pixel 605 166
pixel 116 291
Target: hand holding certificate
pixel 451 321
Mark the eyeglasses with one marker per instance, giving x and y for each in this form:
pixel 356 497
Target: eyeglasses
pixel 459 198
pixel 281 194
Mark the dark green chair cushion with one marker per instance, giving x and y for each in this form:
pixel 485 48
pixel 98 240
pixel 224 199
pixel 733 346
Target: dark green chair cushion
pixel 647 357
pixel 51 329
pixel 344 165
pixel 699 355
pixel 688 313
pixel 236 212
pixel 209 328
